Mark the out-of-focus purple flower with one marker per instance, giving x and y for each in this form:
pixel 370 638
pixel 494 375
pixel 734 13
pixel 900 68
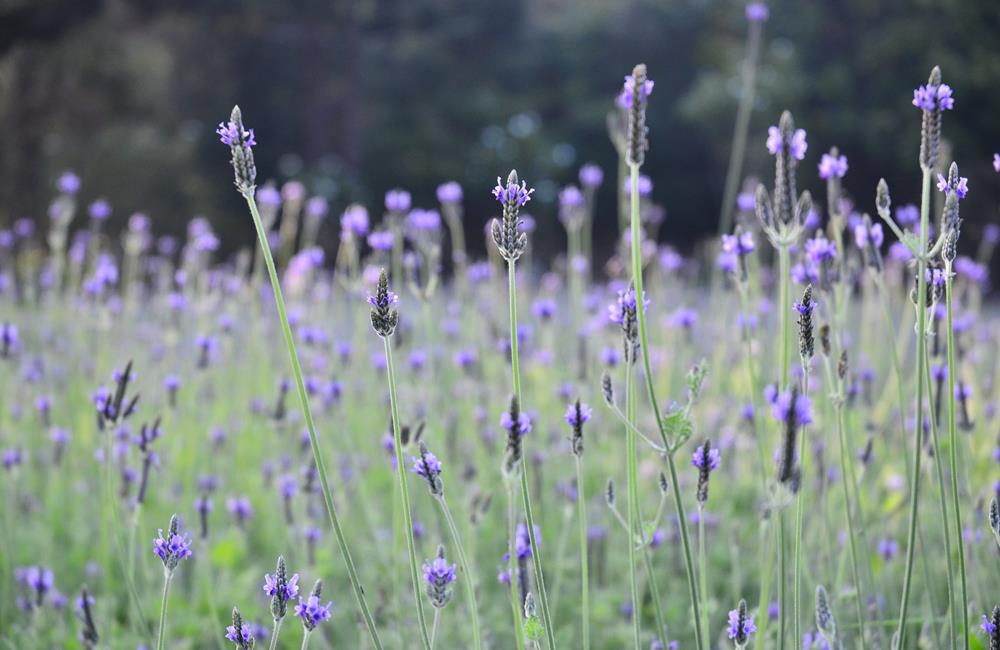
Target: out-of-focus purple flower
pixel 99 210
pixel 293 192
pixel 739 244
pixel 625 304
pixel 888 548
pixel 830 166
pixel 424 220
pixel 397 200
pixel 781 408
pixel 522 542
pixel 961 188
pixel 317 208
pixel 714 458
pixel 645 186
pixel 907 215
pixel 627 95
pixel 591 176
pixel 354 221
pixel 796 146
pixel 863 235
pixel 268 196
pixel 449 193
pixel 746 202
pixel 571 415
pixel 819 249
pixel 996 162
pixel 68 183
pixel 523 422
pixel 929 98
pixel 757 12
pixel 741 625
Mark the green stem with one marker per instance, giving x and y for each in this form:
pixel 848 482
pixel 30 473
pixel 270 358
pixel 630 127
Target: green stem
pixel 470 586
pixel 784 307
pixel 434 625
pixel 703 571
pixel 782 579
pixel 633 508
pixel 274 634
pixel 581 506
pixel 845 454
pixel 512 568
pixel 953 442
pixel 799 516
pixel 331 510
pixel 404 493
pixel 167 577
pixel 305 639
pixel 536 558
pixel 925 199
pixel 740 128
pixel 647 367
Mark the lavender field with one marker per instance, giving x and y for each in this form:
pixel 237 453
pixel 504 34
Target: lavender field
pixel 783 438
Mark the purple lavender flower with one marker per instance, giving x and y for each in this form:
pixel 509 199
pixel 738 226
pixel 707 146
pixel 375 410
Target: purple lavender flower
pixel 449 193
pixel 741 625
pixel 619 311
pixel 68 183
pixel 99 210
pixel 863 235
pixel 231 134
pixel 523 422
pixel 888 548
pixel 381 240
pixel 830 166
pixel 782 408
pixel 591 176
pixel 961 188
pixel 427 466
pixel 577 414
pixel 714 458
pixel 628 94
pixel 311 611
pixel 522 542
pixel 439 574
pixel 397 200
pixel 645 186
pixel 281 589
pixel 819 249
pixel 757 12
pixel 512 194
pixel 174 547
pixel 996 162
pixel 739 243
pixel 930 98
pixel 796 145
pixel 243 637
pixel 424 220
pixel 354 221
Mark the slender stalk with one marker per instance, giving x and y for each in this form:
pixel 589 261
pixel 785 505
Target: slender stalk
pixel 331 510
pixel 274 634
pixel 799 516
pixel 782 580
pixel 434 625
pixel 647 368
pixel 631 516
pixel 167 577
pixel 703 571
pixel 581 506
pixel 784 306
pixel 470 586
pixel 536 559
pixel 512 568
pixel 953 443
pixel 925 199
pixel 945 528
pixel 845 454
pixel 305 639
pixel 741 127
pixel 404 492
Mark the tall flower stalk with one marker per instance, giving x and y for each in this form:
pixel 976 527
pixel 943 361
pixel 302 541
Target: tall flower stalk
pixel 932 99
pixel 240 142
pixel 511 242
pixel 757 15
pixel 635 94
pixel 171 549
pixel 576 415
pixel 384 320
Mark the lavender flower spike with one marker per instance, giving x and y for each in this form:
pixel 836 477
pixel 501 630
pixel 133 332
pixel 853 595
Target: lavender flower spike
pixel 174 547
pixel 240 633
pixel 281 589
pixel 741 625
pixel 240 142
pixel 508 235
pixel 932 99
pixel 634 95
pixel 439 574
pixel 384 315
pixel 428 466
pixel 311 611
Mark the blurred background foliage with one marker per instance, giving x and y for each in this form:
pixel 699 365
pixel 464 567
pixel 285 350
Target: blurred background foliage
pixel 357 96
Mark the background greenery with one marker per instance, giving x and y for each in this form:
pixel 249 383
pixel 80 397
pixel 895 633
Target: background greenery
pixel 356 97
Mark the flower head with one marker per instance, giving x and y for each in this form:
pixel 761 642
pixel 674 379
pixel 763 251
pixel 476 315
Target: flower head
pixel 741 625
pixel 311 611
pixel 439 574
pixel 757 12
pixel 831 165
pixel 174 547
pixel 280 588
pixel 397 200
pixel 959 187
pixel 383 313
pixel 931 97
pixel 449 193
pixel 240 142
pixel 240 633
pixel 591 176
pixel 795 145
pixel 428 466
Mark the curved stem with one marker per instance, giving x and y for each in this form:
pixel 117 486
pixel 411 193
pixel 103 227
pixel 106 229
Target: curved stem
pixel 925 199
pixel 799 516
pixel 581 506
pixel 470 586
pixel 274 634
pixel 703 571
pixel 536 559
pixel 953 443
pixel 167 577
pixel 305 639
pixel 633 506
pixel 647 368
pixel 434 625
pixel 404 493
pixel 512 568
pixel 331 510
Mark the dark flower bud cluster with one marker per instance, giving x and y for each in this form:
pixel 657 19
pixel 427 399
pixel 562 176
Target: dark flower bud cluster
pixel 508 232
pixel 825 622
pixel 174 547
pixel 741 625
pixel 991 626
pixel 240 633
pixel 995 519
pixel 84 611
pixel 607 390
pixel 624 312
pixel 793 410
pixel 384 314
pixel 516 423
pixel 951 222
pixel 439 574
pixel 281 589
pixel 147 434
pixel 113 408
pixel 932 99
pixel 807 345
pixel 428 466
pixel 576 415
pixel 633 98
pixel 240 142
pixel 706 460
